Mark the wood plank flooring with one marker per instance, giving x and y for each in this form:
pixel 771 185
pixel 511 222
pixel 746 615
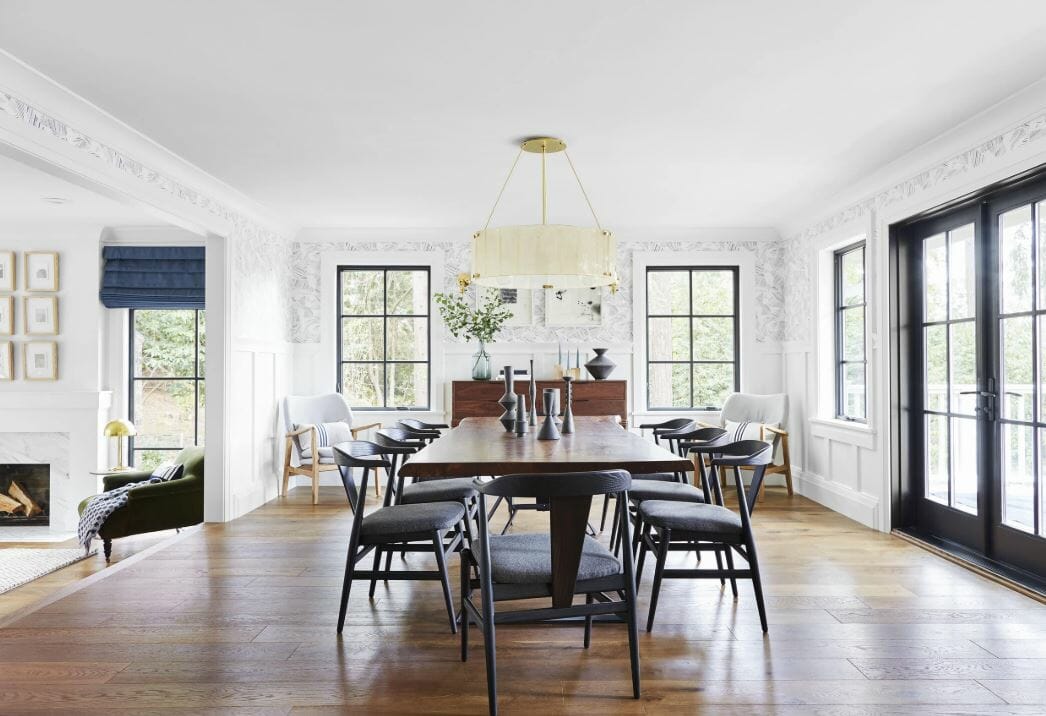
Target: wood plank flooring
pixel 239 618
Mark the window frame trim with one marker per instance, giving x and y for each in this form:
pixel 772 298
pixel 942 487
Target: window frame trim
pixel 339 317
pixel 736 362
pixel 839 310
pixel 132 378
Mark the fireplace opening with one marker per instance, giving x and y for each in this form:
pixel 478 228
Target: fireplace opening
pixel 25 495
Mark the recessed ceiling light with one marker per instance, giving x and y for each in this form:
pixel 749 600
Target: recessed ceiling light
pixel 54 199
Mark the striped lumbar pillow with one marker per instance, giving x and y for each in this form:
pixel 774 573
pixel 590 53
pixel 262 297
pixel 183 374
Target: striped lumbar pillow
pixel 327 434
pixel 745 430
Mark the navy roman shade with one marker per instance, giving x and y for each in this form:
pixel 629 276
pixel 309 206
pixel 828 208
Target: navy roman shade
pixel 153 277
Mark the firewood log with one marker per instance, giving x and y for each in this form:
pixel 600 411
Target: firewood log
pixel 12 507
pixel 22 495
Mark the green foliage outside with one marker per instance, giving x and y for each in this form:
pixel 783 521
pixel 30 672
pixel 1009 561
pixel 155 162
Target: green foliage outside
pixel 165 410
pixel 385 318
pixel 691 314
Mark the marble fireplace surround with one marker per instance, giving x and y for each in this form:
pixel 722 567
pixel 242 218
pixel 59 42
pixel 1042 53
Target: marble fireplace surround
pixel 61 429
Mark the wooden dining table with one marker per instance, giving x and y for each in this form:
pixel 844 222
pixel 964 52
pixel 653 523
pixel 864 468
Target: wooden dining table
pixel 480 446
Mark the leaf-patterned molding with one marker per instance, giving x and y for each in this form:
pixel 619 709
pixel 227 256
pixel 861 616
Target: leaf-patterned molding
pixel 617 322
pixel 258 255
pixel 798 257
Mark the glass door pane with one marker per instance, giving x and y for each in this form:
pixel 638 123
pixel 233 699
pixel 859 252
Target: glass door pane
pixel 950 372
pixel 1021 356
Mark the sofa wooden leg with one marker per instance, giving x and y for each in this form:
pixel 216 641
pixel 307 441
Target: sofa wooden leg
pixel 107 547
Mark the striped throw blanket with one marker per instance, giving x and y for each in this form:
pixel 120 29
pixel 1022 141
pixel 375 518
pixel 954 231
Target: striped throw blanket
pixel 101 506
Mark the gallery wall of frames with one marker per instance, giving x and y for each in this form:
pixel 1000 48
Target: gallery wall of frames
pixel 29 310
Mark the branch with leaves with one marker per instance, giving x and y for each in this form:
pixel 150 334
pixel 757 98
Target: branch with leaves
pixel 463 321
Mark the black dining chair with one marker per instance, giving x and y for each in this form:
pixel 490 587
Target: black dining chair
pixel 559 565
pixel 665 426
pixel 397 444
pixel 686 526
pixel 434 527
pixel 675 490
pixel 666 429
pixel 426 435
pixel 422 425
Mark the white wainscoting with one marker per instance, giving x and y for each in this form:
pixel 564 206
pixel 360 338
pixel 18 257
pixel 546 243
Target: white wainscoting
pixel 259 377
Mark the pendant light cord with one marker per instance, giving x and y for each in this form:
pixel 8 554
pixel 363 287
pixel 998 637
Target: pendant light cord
pixel 582 188
pixel 496 201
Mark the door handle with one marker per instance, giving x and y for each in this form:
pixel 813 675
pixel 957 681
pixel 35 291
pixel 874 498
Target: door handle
pixel 990 397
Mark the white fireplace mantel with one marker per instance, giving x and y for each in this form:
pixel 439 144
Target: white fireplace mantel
pixel 62 428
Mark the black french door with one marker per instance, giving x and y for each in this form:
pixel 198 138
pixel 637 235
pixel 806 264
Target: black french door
pixel 972 312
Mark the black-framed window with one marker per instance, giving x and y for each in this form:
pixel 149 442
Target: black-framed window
pixel 166 392
pixel 384 336
pixel 851 361
pixel 693 336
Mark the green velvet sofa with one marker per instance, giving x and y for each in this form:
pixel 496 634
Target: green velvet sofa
pixel 150 508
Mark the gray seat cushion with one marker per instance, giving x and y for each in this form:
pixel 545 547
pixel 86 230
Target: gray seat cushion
pixel 390 522
pixel 527 559
pixel 659 476
pixel 711 520
pixel 456 488
pixel 655 490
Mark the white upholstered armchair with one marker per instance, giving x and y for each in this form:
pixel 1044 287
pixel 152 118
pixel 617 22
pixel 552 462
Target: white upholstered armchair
pixel 761 417
pixel 313 424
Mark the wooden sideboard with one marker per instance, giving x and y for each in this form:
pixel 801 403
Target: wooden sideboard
pixel 479 398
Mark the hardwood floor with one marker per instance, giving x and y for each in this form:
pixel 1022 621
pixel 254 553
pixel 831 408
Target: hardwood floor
pixel 17 600
pixel 239 618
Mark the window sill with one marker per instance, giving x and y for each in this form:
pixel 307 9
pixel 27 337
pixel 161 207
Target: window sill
pixel 846 431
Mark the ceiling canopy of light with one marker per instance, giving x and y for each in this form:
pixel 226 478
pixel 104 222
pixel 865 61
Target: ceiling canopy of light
pixel 544 255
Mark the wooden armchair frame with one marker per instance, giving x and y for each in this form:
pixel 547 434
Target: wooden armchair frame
pixel 315 467
pixel 785 468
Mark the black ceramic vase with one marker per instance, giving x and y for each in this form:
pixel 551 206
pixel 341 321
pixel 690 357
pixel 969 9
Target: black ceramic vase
pixel 533 397
pixel 568 410
pixel 508 401
pixel 600 367
pixel 549 431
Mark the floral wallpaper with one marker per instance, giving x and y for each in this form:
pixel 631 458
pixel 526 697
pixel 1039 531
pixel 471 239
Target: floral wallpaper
pixel 617 308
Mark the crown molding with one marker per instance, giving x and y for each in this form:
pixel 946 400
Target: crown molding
pixel 974 153
pixel 62 131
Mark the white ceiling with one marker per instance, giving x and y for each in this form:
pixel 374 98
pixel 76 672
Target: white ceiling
pixel 404 114
pixel 24 189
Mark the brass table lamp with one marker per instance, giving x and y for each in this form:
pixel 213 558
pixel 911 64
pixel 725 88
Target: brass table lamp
pixel 119 429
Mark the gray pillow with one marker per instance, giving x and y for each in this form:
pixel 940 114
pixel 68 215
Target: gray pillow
pixel 168 471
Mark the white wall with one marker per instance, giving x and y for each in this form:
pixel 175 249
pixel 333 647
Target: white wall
pixel 72 408
pixel 258 365
pixel 846 466
pixel 44 124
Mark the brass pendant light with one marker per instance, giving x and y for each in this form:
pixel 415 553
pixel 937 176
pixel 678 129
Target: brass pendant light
pixel 544 255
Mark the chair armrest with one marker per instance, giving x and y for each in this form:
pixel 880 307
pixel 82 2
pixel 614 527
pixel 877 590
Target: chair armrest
pixel 357 430
pixel 778 431
pixel 164 490
pixel 119 479
pixel 300 431
pixel 703 424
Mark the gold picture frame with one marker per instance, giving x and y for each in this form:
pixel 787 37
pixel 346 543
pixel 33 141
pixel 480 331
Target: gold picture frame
pixel 7 315
pixel 7 361
pixel 40 360
pixel 41 271
pixel 40 315
pixel 8 269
